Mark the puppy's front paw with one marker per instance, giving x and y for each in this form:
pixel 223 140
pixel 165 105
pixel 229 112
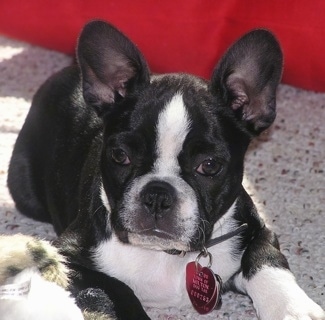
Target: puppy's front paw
pixel 305 309
pixel 296 307
pixel 277 296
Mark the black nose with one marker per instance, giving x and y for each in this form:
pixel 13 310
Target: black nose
pixel 158 198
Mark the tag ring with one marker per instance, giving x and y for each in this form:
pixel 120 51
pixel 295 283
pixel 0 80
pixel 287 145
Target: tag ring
pixel 204 253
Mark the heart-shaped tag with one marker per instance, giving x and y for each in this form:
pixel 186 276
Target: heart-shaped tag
pixel 203 287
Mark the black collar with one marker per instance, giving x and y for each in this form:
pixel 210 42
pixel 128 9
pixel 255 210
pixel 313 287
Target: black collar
pixel 214 241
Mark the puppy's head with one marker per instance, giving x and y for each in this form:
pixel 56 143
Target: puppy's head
pixel 173 145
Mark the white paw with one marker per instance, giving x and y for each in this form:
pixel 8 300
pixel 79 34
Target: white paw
pixel 277 296
pixel 305 310
pixel 296 306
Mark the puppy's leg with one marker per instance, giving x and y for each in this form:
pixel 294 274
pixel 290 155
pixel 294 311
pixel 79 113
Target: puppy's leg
pixel 22 180
pixel 266 278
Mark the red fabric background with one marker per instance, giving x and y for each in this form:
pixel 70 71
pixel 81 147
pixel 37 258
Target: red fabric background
pixel 181 35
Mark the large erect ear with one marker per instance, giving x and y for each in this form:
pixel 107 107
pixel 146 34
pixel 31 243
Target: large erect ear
pixel 246 79
pixel 111 65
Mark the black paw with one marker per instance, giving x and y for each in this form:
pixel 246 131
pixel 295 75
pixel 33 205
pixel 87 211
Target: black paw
pixel 95 301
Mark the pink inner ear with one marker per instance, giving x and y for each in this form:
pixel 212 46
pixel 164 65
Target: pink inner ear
pixel 117 81
pixel 237 88
pixel 103 87
pixel 240 101
pixel 104 92
pixel 108 62
pixel 122 92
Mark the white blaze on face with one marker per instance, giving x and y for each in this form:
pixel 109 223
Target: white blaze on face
pixel 172 128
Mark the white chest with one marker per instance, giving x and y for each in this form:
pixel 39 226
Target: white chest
pixel 158 278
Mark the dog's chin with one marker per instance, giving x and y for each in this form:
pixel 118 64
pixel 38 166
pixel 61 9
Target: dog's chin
pixel 153 240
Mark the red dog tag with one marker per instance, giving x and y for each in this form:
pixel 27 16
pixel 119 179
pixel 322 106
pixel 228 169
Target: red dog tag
pixel 203 287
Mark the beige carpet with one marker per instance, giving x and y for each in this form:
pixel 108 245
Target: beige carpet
pixel 284 173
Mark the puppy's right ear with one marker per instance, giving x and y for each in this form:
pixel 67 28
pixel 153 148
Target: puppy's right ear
pixel 111 65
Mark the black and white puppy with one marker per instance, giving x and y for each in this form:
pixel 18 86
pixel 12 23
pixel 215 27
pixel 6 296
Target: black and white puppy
pixel 132 168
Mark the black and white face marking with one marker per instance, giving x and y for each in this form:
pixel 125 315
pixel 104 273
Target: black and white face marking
pixel 172 128
pixel 160 209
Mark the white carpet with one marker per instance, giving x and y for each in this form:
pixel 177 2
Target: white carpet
pixel 284 173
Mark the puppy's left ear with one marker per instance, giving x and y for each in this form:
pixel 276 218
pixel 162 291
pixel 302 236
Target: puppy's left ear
pixel 111 65
pixel 246 79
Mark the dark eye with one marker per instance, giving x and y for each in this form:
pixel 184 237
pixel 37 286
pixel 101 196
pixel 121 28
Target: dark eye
pixel 209 167
pixel 120 157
